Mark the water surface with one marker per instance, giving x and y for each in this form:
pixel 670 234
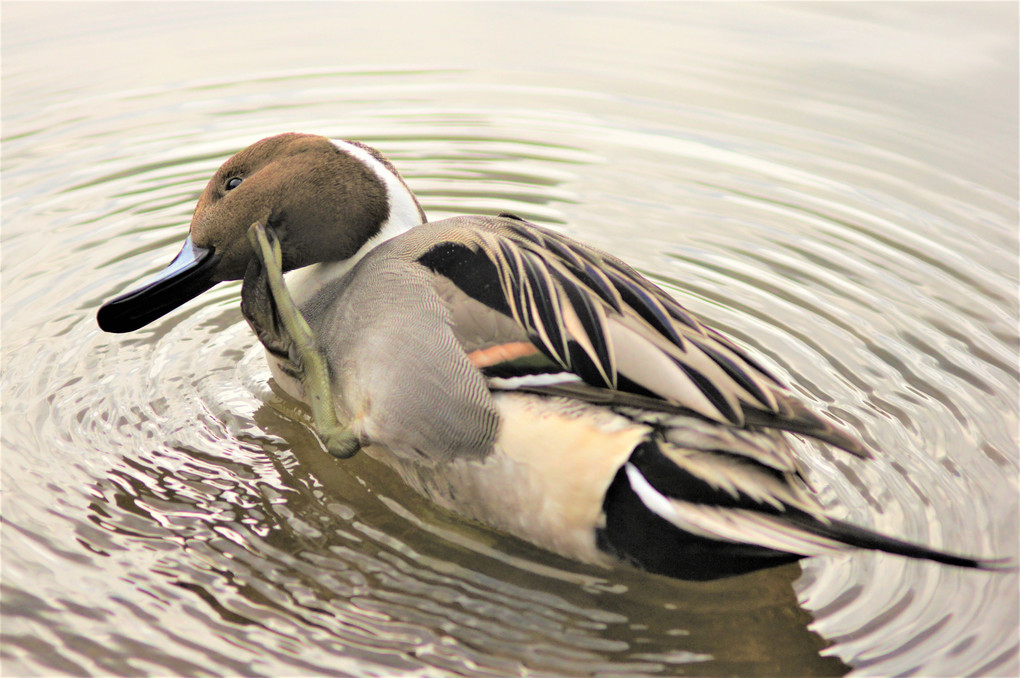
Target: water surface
pixel 835 186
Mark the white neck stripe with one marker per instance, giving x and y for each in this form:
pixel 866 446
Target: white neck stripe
pixel 403 207
pixel 403 216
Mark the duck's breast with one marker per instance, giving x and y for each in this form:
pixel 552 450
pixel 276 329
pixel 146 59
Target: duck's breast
pixel 400 376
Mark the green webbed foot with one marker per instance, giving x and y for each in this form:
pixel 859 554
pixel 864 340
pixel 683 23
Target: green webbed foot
pixel 339 440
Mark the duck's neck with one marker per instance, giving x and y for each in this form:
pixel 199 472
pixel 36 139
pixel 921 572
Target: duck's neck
pixel 404 214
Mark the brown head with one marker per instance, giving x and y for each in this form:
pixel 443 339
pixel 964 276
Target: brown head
pixel 324 200
pixel 321 202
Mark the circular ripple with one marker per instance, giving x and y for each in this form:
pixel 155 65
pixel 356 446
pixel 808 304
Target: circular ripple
pixel 172 493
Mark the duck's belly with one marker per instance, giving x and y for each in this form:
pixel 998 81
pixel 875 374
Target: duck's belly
pixel 547 477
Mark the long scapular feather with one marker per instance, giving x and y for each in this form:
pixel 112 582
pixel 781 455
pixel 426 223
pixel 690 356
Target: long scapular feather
pixel 594 316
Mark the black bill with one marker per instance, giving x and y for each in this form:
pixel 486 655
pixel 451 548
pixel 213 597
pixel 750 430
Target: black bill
pixel 187 276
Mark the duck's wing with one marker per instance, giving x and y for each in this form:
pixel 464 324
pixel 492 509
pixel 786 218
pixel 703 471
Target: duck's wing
pixel 543 313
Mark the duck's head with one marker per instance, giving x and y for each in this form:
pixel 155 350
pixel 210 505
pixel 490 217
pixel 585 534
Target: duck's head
pixel 324 199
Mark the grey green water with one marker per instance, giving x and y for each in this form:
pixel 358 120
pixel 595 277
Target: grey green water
pixel 834 185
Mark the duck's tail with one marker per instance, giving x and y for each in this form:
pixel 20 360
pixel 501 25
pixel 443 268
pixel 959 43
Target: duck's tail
pixel 666 513
pixel 858 537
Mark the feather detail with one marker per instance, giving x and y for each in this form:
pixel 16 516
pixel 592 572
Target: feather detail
pixel 592 315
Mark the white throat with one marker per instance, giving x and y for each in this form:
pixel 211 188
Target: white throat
pixel 403 216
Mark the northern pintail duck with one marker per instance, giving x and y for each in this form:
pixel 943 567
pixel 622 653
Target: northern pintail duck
pixel 509 373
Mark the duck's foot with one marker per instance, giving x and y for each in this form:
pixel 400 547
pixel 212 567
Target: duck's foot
pixel 337 439
pixel 341 442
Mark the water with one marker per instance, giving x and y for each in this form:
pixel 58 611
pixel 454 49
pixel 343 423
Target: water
pixel 835 186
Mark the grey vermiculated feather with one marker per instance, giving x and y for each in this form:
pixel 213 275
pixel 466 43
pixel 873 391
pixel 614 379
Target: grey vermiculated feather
pixel 388 335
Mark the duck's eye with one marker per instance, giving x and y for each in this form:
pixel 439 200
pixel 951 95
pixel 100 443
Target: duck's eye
pixel 233 183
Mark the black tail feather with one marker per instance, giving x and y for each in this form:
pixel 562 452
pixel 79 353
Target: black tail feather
pixel 636 534
pixel 863 538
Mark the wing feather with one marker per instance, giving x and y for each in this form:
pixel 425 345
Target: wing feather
pixel 756 390
pixel 594 316
pixel 647 307
pixel 657 372
pixel 585 322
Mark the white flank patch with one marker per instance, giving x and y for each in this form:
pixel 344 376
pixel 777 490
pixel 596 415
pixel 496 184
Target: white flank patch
pixel 403 216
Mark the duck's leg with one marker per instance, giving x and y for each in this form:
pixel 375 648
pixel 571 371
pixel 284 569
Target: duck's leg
pixel 338 440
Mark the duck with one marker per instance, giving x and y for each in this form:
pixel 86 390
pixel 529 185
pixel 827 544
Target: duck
pixel 511 374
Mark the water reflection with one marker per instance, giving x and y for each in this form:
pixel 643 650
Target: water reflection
pixel 852 225
pixel 305 548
